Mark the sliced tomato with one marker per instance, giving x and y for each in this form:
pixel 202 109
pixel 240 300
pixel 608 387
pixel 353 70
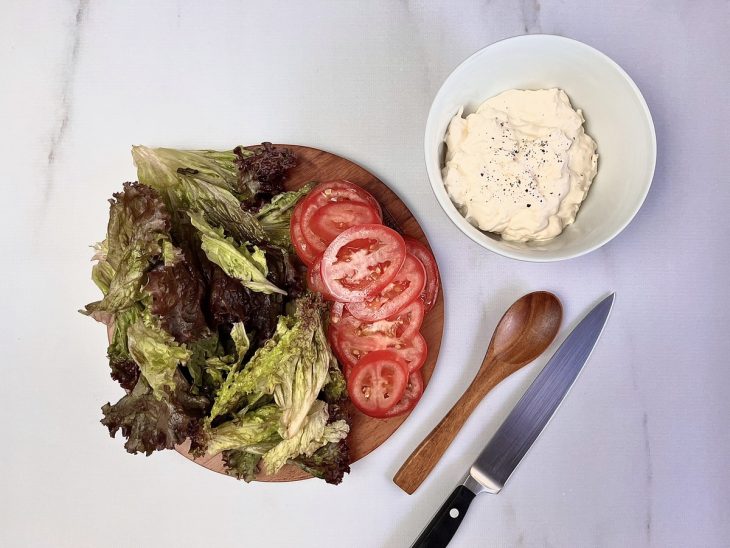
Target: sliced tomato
pixel 350 348
pixel 361 261
pixel 413 393
pixel 377 383
pixel 304 251
pixel 339 192
pixel 314 279
pixel 337 311
pixel 333 218
pixel 414 352
pixel 433 280
pixel 403 325
pixel 405 288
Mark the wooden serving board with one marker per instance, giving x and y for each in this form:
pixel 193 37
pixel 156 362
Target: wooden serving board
pixel 366 433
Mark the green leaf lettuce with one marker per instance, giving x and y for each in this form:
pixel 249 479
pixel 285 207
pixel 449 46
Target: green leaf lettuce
pixel 249 267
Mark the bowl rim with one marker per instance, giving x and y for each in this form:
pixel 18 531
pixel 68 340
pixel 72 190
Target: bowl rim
pixel 479 236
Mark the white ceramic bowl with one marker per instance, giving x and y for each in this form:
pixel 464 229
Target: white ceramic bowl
pixel 616 117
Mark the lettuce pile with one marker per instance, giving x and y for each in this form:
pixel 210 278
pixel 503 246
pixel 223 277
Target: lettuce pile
pixel 213 336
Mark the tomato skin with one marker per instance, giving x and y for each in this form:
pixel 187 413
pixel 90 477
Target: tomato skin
pixel 350 348
pixel 333 218
pixel 361 261
pixel 403 325
pixel 413 393
pixel 314 279
pixel 377 383
pixel 333 192
pixel 433 280
pixel 305 253
pixel 340 190
pixel 405 288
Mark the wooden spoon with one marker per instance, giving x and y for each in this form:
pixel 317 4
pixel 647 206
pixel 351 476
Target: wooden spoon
pixel 523 333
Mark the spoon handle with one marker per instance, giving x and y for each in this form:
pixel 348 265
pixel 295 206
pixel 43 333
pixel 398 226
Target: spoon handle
pixel 425 457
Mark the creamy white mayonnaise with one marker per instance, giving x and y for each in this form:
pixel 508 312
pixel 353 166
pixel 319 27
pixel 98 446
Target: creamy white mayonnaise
pixel 521 164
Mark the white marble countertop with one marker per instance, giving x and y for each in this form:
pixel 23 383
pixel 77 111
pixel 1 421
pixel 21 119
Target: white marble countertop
pixel 638 454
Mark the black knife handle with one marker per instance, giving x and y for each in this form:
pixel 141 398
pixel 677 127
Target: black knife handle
pixel 444 524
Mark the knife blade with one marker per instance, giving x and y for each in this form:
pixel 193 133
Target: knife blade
pixel 504 451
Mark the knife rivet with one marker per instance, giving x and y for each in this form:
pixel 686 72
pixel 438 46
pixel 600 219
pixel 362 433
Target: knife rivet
pixel 454 513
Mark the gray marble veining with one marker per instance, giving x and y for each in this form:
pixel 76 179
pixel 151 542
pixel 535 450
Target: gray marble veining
pixel 638 453
pixel 65 97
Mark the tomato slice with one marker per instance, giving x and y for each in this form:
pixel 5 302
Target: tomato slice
pixel 330 220
pixel 339 192
pixel 403 325
pixel 304 251
pixel 314 279
pixel 337 311
pixel 413 393
pixel 377 383
pixel 405 288
pixel 361 261
pixel 433 281
pixel 350 348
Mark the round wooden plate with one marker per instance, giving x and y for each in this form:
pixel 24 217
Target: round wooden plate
pixel 366 433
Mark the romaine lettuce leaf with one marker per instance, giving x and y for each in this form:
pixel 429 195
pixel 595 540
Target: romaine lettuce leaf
pixel 249 267
pixel 162 167
pixel 201 180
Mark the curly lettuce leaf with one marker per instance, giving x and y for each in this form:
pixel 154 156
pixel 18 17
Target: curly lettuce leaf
pixel 263 168
pixel 236 261
pixel 200 352
pixel 276 215
pixel 329 463
pixel 124 370
pixel 102 273
pixel 249 431
pixel 314 433
pixel 158 356
pixel 241 464
pixel 152 424
pixel 336 388
pixel 162 167
pixel 260 374
pixel 292 365
pixel 304 375
pixel 201 180
pixel 139 224
pixel 178 291
pixel 218 367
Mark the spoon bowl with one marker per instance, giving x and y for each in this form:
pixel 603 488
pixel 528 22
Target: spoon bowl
pixel 525 331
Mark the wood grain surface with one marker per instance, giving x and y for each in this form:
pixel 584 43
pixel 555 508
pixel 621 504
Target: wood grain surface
pixel 527 328
pixel 366 433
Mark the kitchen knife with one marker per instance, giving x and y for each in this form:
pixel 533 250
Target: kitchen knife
pixel 523 425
